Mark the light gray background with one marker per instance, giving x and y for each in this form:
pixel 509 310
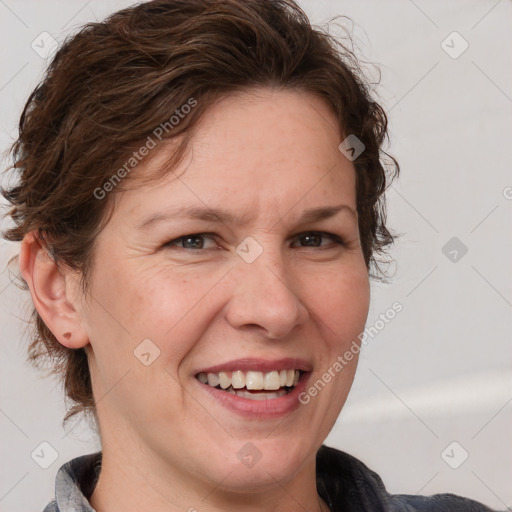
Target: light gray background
pixel 441 370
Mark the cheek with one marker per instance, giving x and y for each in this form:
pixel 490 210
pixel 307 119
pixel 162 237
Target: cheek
pixel 341 301
pixel 172 310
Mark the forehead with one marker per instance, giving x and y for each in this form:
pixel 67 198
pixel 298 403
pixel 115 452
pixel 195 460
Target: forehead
pixel 258 150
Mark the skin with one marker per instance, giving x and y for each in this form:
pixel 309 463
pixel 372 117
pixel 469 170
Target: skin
pixel 167 444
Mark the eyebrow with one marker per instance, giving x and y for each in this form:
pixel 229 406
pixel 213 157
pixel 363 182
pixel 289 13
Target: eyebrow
pixel 229 217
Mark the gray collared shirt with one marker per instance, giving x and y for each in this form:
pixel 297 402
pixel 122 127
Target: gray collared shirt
pixel 74 484
pixel 343 482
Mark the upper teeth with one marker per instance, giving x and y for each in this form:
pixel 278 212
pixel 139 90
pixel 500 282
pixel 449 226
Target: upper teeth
pixel 251 380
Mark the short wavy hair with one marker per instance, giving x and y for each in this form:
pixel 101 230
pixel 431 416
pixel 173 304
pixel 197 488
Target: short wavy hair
pixel 112 83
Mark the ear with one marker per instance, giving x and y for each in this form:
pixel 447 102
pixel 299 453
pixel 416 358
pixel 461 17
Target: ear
pixel 53 291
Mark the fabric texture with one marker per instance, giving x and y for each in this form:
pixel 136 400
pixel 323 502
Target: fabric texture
pixel 344 483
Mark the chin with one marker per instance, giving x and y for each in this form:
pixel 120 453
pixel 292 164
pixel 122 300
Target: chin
pixel 259 463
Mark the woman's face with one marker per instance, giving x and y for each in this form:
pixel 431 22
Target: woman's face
pixel 262 287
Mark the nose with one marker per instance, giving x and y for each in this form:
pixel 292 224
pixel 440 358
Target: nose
pixel 264 298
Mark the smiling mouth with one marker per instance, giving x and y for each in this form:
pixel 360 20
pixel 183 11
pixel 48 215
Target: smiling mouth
pixel 253 385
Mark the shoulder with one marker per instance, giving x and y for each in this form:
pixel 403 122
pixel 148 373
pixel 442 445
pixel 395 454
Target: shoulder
pixel 348 484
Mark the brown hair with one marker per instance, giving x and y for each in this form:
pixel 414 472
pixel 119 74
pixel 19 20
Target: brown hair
pixel 115 85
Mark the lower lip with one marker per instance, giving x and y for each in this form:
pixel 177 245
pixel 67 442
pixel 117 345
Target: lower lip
pixel 271 408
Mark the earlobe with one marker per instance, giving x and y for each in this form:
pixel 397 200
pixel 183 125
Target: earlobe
pixel 52 294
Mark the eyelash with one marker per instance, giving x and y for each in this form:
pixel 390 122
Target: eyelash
pixel 337 240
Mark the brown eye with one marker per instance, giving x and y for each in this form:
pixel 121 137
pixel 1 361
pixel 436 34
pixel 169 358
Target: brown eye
pixel 314 239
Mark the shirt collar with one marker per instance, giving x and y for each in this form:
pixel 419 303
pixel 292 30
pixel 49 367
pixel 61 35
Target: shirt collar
pixel 75 482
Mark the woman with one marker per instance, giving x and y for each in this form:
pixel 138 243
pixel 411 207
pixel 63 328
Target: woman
pixel 200 204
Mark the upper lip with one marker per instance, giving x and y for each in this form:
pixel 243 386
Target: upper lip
pixel 259 365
